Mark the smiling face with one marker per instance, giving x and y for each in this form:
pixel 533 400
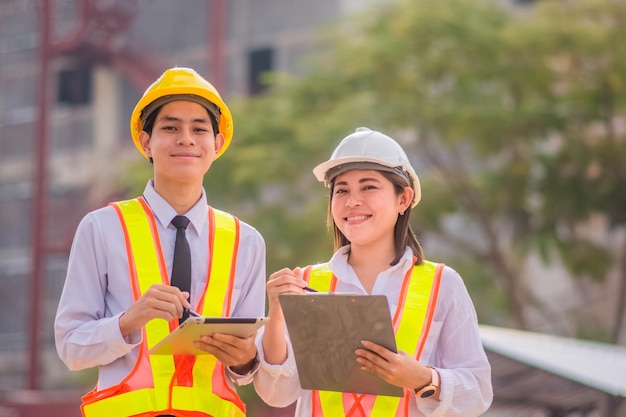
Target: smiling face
pixel 182 144
pixel 365 207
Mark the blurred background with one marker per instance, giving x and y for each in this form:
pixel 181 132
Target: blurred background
pixel 512 112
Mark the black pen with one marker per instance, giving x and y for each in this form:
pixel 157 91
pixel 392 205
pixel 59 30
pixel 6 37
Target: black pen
pixel 190 312
pixel 309 289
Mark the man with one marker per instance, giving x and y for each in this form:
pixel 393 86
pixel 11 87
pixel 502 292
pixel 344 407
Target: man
pixel 119 299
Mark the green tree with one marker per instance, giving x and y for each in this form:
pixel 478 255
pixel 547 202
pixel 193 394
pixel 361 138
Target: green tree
pixel 514 118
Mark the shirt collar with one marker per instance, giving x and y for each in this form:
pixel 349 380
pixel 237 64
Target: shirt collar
pixel 344 272
pixel 164 212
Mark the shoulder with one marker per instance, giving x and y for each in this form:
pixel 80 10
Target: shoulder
pixel 248 233
pixel 451 280
pixel 453 293
pixel 98 227
pixel 104 215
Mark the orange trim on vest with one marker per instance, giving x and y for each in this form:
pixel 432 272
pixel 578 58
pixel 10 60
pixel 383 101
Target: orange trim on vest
pixel 402 296
pixel 162 384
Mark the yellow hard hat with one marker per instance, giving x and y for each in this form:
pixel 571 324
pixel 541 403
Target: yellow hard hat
pixel 182 84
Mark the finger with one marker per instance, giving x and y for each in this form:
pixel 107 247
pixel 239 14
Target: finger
pixel 372 367
pixel 366 357
pixel 291 286
pixel 280 273
pixel 172 295
pixel 224 353
pixel 180 300
pixel 185 299
pixel 206 346
pixel 378 349
pixel 226 341
pixel 159 308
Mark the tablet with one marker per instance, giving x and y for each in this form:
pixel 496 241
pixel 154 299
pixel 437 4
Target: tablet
pixel 180 341
pixel 326 328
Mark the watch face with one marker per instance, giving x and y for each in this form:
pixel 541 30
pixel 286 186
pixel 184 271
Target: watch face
pixel 427 392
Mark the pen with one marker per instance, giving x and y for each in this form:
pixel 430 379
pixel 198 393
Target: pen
pixel 191 312
pixel 309 289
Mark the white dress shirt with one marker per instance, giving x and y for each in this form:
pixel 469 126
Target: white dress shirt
pixel 97 289
pixel 453 347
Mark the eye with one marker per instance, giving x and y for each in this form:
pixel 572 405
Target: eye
pixel 339 191
pixel 168 128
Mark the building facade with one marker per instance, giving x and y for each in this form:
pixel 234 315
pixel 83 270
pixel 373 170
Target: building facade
pixel 60 151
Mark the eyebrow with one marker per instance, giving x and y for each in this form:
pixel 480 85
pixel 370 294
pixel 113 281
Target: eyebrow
pixel 166 118
pixel 362 180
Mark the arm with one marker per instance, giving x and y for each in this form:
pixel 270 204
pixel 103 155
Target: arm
pixel 454 350
pixel 458 355
pixel 277 382
pixel 87 332
pixel 97 320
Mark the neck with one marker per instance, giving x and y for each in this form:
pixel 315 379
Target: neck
pixel 373 257
pixel 182 197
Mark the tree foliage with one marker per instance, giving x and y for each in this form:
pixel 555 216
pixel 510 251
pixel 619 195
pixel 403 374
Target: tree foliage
pixel 514 118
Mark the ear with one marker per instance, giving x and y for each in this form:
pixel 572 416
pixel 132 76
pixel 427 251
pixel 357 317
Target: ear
pixel 220 140
pixel 144 139
pixel 406 199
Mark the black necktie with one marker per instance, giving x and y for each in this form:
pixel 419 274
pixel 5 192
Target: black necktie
pixel 181 268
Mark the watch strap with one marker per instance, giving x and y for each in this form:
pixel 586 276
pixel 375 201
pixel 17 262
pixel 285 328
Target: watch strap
pixel 431 388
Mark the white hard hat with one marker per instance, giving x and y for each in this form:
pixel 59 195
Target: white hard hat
pixel 368 149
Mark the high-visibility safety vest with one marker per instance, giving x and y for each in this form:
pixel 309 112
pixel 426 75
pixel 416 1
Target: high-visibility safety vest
pixel 411 322
pixel 183 385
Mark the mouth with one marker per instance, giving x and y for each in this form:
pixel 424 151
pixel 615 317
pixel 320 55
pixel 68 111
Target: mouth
pixel 358 218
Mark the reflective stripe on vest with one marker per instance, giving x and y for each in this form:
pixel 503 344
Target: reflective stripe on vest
pixel 184 385
pixel 411 321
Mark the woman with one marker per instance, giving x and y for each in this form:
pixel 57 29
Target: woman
pixel 440 362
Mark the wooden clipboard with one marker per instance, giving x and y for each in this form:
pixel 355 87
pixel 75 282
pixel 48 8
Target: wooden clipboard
pixel 325 329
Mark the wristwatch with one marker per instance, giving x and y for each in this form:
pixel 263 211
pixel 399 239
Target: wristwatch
pixel 430 389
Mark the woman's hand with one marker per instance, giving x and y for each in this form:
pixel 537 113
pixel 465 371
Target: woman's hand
pixel 398 369
pixel 285 281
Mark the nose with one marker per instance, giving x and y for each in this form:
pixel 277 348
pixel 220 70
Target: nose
pixel 185 138
pixel 353 201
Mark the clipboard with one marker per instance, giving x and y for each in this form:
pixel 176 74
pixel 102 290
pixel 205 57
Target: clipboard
pixel 180 340
pixel 326 328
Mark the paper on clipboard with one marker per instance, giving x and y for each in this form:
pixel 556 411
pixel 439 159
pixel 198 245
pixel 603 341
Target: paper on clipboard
pixel 180 340
pixel 325 330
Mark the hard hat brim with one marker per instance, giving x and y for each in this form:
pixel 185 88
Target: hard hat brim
pixel 352 163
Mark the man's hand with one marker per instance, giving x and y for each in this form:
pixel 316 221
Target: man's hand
pixel 235 352
pixel 160 301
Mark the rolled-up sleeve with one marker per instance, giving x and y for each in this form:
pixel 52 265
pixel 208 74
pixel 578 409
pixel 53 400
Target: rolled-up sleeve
pixel 277 385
